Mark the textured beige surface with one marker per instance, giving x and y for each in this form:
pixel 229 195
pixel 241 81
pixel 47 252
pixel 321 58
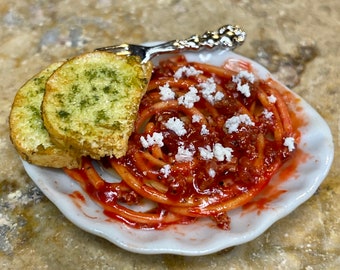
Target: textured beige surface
pixel 297 39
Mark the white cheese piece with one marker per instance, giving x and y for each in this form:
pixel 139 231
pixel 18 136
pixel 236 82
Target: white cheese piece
pixel 247 75
pixel 187 71
pixel 289 142
pixel 243 87
pixel 267 114
pixel 209 91
pixel 206 152
pixel 233 123
pixel 189 98
pixel 155 139
pixel 196 118
pixel 176 125
pixel 222 153
pixel 218 151
pixel 218 96
pixel 204 130
pixel 166 92
pixel 272 99
pixel 166 170
pixel 185 154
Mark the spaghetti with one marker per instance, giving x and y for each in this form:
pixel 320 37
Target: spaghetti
pixel 207 140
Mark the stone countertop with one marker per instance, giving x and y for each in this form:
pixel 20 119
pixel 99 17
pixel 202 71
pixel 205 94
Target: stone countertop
pixel 296 39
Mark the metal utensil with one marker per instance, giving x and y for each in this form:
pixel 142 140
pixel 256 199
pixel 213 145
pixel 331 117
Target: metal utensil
pixel 227 36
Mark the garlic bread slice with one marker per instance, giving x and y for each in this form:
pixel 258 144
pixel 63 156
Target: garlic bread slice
pixel 27 131
pixel 91 102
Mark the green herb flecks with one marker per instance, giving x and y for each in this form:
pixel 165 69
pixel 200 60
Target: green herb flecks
pixel 83 104
pixel 90 74
pixel 39 80
pixel 63 114
pixel 107 89
pixel 101 116
pixel 88 101
pixel 35 111
pixel 35 121
pixel 101 73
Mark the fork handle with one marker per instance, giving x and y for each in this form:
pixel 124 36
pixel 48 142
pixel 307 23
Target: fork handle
pixel 227 36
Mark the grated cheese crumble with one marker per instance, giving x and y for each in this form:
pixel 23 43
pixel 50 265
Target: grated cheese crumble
pixel 233 123
pixel 204 130
pixel 155 139
pixel 187 71
pixel 166 92
pixel 289 142
pixel 218 151
pixel 209 91
pixel 165 170
pixel 267 114
pixel 196 118
pixel 243 87
pixel 272 99
pixel 185 154
pixel 176 125
pixel 222 153
pixel 206 152
pixel 189 98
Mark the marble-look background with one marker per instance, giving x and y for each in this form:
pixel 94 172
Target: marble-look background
pixel 298 40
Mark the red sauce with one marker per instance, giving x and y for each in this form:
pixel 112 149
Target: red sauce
pixel 238 174
pixel 201 184
pixel 78 199
pixel 77 196
pixel 274 189
pixel 289 169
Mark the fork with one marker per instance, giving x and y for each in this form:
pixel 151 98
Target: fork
pixel 227 36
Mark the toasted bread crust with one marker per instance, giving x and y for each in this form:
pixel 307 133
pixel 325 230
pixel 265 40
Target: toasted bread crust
pixel 27 131
pixel 91 103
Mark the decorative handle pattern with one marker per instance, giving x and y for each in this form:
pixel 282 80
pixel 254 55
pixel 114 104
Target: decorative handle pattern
pixel 227 36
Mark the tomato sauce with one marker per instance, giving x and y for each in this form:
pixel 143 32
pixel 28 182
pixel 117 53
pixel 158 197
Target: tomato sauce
pixel 207 140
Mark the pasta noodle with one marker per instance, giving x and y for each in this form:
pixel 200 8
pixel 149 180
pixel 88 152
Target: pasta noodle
pixel 207 140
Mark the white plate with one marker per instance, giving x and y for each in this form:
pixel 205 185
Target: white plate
pixel 201 238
